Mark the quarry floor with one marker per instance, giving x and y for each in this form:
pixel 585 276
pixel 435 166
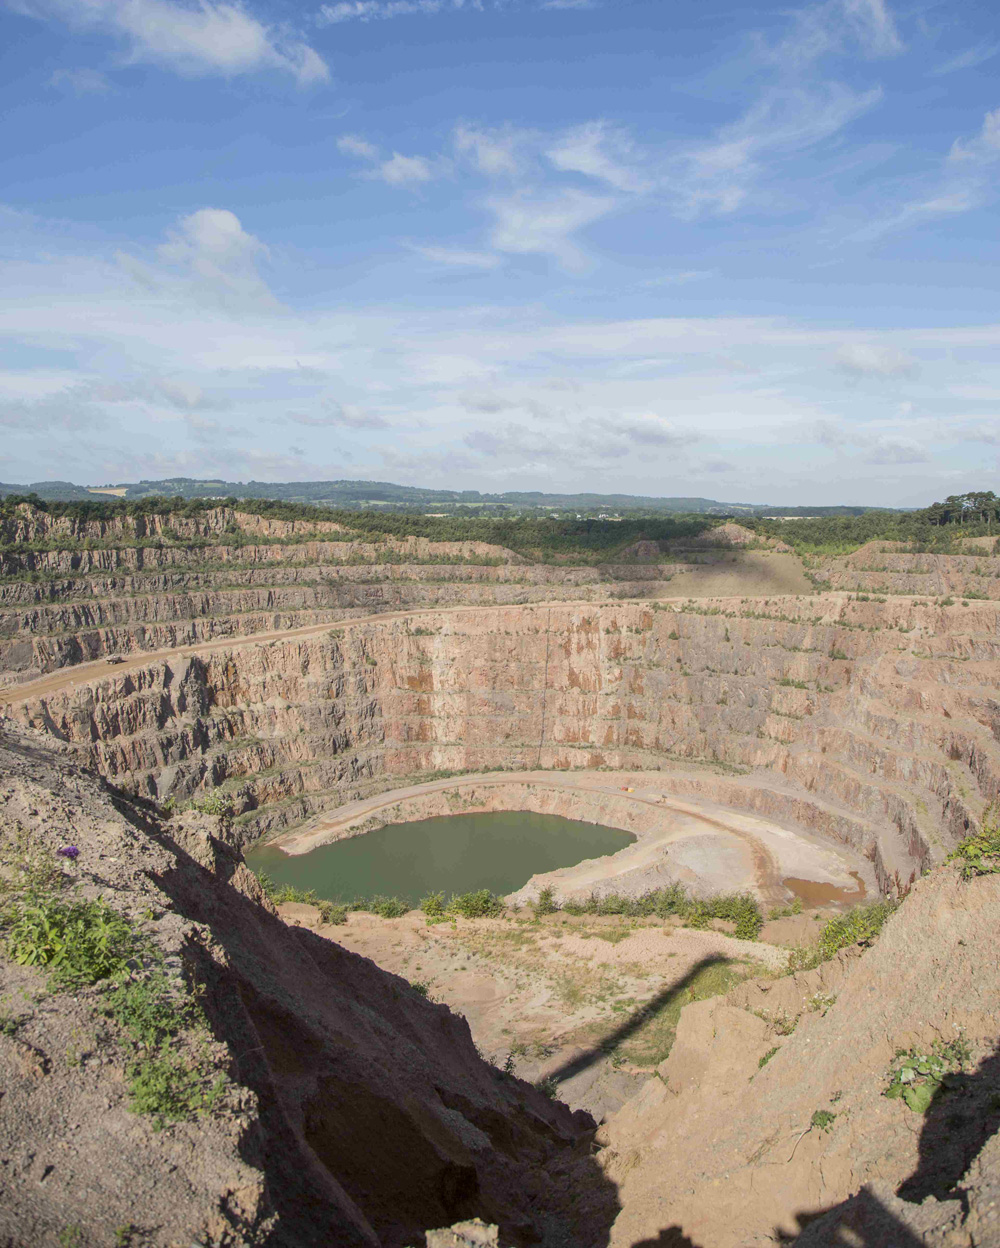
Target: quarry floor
pixel 589 1002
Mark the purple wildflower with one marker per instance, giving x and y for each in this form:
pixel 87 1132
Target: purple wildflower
pixel 69 851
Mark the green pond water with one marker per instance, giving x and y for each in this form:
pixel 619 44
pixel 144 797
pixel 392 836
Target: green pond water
pixel 455 854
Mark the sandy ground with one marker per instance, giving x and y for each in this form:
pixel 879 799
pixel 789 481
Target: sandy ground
pixel 590 1001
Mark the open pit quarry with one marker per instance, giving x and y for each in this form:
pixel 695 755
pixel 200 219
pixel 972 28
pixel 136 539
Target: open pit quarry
pixel 816 733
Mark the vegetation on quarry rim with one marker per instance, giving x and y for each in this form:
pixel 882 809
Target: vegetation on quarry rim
pixel 936 528
pixel 81 942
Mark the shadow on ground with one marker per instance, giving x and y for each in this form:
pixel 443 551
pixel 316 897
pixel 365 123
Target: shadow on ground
pixel 961 1119
pixel 636 1020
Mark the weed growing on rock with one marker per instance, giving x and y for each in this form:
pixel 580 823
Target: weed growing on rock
pixel 767 1057
pixel 822 1119
pixel 918 1077
pixel 860 926
pixel 77 942
pixel 150 1009
pixel 219 804
pixel 549 1087
pixel 979 854
pixel 169 1090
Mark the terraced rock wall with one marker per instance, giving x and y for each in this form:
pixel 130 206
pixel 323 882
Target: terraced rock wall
pixel 876 722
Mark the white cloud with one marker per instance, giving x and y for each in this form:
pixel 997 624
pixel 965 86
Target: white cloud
pixel 80 81
pixel 598 151
pixel 210 37
pixel 493 152
pixel 968 59
pixel 397 170
pixel 340 415
pixel 864 359
pixel 527 224
pixel 984 147
pixel 897 451
pixel 354 145
pixel 379 10
pixel 459 258
pixel 401 170
pixel 715 176
pixel 212 247
pixel 836 27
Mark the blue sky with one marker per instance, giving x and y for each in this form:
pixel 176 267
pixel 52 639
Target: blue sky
pixel 662 248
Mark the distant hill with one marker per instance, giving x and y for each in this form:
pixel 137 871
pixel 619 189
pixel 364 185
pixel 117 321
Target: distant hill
pixel 384 495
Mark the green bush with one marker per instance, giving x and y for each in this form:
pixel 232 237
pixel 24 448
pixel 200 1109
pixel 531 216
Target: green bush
pixel 78 942
pixel 860 926
pixel 740 908
pixel 331 913
pixel 433 905
pixel 481 904
pixel 546 902
pixel 979 854
pixel 220 804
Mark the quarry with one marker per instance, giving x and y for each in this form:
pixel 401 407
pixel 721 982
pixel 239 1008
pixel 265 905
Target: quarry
pixel 609 1055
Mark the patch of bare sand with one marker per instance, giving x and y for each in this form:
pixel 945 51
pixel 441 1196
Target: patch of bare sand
pixel 591 1002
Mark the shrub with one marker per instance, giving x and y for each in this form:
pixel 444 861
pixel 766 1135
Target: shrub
pixel 979 854
pixel 860 926
pixel 219 804
pixel 384 907
pixel 433 905
pixel 546 902
pixel 78 942
pixel 331 913
pixel 149 1009
pixel 822 1119
pixel 481 904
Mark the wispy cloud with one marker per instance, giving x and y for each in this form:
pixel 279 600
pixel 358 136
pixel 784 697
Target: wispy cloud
pixel 457 257
pixel 544 224
pixel 968 59
pixel 495 152
pixel 394 170
pixel 381 10
pixel 984 147
pixel 864 359
pixel 819 30
pixel 80 81
pixel 212 37
pixel 716 175
pixel 599 151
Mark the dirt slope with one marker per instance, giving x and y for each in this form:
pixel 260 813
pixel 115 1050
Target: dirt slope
pixel 724 1150
pixel 353 1111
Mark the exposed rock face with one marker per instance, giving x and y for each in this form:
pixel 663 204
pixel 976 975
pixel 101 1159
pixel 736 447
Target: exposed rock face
pixel 875 723
pixel 355 1111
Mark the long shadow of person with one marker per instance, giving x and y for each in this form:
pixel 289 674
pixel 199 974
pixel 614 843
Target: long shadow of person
pixel 963 1115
